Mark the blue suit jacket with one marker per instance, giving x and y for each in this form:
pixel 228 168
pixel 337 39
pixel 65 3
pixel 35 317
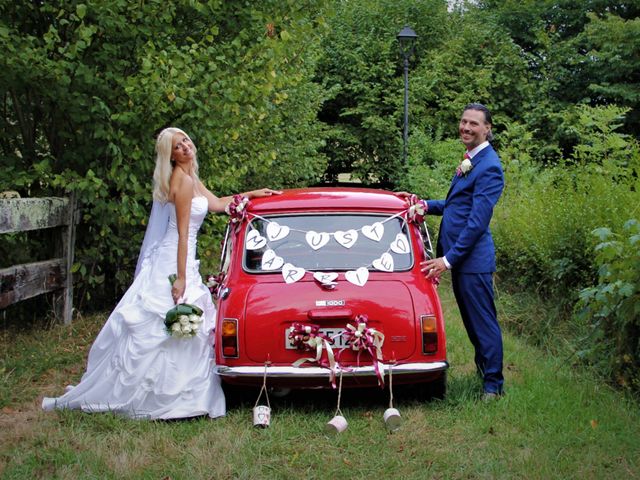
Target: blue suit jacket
pixel 464 236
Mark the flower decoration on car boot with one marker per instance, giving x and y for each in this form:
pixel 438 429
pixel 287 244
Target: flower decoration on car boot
pixel 237 210
pixel 417 209
pixel 310 339
pixel 214 284
pixel 361 338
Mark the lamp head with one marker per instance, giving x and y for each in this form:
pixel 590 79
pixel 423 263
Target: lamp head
pixel 407 38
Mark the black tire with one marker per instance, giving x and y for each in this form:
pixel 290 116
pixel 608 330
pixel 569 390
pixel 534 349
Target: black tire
pixel 422 392
pixel 237 395
pixel 437 389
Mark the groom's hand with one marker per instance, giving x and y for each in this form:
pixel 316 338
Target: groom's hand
pixel 433 268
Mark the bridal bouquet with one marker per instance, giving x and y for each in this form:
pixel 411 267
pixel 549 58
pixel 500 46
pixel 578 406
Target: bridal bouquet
pixel 184 319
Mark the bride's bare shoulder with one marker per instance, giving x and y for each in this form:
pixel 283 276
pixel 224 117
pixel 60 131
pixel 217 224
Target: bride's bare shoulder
pixel 180 184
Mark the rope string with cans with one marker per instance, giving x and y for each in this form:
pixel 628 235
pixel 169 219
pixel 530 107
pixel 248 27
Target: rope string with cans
pixel 262 413
pixel 338 423
pixel 391 415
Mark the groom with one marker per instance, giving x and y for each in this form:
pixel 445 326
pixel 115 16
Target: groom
pixel 465 245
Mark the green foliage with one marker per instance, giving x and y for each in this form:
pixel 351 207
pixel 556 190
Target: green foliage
pixel 475 62
pixel 544 219
pixel 612 44
pixel 361 68
pixel 576 52
pixel 431 166
pixel 611 309
pixel 542 229
pixel 457 59
pixel 86 86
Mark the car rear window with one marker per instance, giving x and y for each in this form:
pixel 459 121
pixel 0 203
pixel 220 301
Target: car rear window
pixel 307 230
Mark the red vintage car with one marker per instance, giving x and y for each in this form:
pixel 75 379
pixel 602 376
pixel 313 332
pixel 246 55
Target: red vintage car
pixel 319 283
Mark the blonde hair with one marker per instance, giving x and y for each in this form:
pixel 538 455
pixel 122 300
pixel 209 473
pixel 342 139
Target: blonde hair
pixel 164 163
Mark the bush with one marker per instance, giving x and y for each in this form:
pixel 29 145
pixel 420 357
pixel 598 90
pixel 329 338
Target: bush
pixel 611 309
pixel 543 222
pixel 543 231
pixel 87 86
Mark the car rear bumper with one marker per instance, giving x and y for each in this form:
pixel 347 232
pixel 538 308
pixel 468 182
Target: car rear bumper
pixel 251 373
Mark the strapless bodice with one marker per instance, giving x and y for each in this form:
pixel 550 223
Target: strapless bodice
pixel 199 209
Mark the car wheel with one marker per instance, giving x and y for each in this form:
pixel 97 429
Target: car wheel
pixel 237 395
pixel 423 392
pixel 437 389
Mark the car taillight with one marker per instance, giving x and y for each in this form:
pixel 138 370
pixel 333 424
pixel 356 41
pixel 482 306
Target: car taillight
pixel 429 334
pixel 230 338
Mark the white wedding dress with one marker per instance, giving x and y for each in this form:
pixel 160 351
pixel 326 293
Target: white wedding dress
pixel 134 367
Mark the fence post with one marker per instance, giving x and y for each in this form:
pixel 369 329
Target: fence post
pixel 68 242
pixel 28 280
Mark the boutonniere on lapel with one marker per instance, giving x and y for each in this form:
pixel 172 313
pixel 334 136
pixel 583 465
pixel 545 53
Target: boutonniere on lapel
pixel 465 166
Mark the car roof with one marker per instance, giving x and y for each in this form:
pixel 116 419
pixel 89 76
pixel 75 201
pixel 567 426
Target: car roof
pixel 329 199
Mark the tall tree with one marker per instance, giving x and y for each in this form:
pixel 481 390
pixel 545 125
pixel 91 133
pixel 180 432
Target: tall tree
pixel 578 53
pixel 86 85
pixel 361 66
pixel 612 46
pixel 457 59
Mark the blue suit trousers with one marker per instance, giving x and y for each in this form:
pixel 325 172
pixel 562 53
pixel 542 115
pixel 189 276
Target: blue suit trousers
pixel 475 298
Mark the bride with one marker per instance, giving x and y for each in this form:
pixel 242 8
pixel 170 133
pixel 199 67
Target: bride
pixel 134 367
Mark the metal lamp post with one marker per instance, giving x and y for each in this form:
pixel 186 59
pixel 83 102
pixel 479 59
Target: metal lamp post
pixel 407 39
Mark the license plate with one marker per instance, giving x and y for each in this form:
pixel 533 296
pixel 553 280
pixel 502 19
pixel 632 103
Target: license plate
pixel 338 340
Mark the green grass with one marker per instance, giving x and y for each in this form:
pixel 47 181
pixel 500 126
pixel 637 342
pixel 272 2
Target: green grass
pixel 556 421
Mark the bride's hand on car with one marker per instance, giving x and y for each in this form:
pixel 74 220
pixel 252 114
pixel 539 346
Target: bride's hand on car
pixel 263 192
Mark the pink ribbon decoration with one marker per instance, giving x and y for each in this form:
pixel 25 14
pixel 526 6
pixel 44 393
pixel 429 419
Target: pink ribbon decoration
pixel 415 214
pixel 237 210
pixel 417 209
pixel 361 338
pixel 310 339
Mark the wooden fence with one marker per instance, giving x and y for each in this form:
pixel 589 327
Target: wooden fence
pixel 21 282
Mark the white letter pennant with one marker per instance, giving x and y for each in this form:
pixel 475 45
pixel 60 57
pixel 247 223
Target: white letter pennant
pixel 276 231
pixel 358 277
pixel 291 273
pixel 254 240
pixel 400 245
pixel 373 232
pixel 384 263
pixel 271 261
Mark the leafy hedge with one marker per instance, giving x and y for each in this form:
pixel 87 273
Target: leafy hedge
pixel 610 310
pixel 543 230
pixel 87 86
pixel 544 220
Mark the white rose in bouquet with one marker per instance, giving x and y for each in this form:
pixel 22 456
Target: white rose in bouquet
pixel 183 320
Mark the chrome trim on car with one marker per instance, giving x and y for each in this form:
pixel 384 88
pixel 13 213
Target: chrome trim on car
pixel 318 372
